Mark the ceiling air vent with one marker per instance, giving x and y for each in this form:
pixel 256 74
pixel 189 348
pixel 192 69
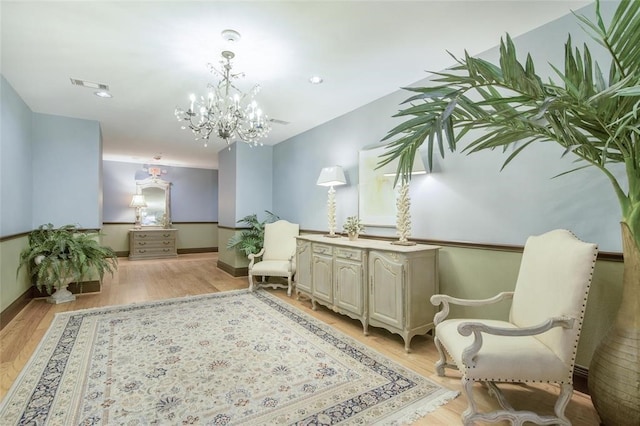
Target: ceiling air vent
pixel 89 84
pixel 276 121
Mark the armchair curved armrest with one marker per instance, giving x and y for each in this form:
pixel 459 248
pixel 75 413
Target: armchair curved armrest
pixel 445 300
pixel 477 328
pixel 252 257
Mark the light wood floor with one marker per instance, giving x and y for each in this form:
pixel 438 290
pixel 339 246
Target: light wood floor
pixel 146 280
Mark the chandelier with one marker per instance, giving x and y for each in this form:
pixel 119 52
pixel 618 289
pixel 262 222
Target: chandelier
pixel 225 111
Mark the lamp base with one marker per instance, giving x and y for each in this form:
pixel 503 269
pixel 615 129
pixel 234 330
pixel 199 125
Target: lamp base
pixel 403 243
pixel 333 236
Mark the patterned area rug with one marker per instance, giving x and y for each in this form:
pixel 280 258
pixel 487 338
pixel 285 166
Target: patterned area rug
pixel 235 357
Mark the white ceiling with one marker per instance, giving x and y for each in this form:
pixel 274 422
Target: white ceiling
pixel 153 54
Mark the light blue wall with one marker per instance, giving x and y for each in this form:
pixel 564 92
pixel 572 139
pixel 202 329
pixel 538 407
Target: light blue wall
pixel 15 162
pixel 466 198
pixel 67 156
pixel 227 187
pixel 119 186
pixel 50 168
pixel 299 160
pixel 254 180
pixel 245 182
pixel 194 192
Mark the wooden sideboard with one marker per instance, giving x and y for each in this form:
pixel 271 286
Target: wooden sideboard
pixel 374 281
pixel 152 243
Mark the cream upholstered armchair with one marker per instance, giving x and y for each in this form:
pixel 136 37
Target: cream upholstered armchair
pixel 278 255
pixel 538 343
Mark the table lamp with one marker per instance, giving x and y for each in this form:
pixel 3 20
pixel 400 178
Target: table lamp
pixel 138 202
pixel 331 176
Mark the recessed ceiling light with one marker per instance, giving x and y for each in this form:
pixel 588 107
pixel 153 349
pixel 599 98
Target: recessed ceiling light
pixel 315 79
pixel 103 94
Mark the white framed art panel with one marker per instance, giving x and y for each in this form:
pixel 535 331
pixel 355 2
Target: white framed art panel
pixel 376 194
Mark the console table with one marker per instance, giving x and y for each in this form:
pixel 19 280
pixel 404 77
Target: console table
pixel 374 281
pixel 152 243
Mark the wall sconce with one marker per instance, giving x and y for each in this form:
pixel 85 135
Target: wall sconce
pixel 138 202
pixel 331 176
pixel 403 202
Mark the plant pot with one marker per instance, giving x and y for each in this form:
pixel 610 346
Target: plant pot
pixel 352 236
pixel 614 372
pixel 61 295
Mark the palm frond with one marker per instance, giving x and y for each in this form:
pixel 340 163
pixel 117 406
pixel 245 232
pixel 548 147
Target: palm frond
pixel 250 240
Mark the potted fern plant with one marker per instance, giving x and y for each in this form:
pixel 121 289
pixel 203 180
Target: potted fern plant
pixel 57 257
pixel 592 116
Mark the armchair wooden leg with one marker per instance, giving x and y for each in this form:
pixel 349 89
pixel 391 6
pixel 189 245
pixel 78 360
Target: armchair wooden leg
pixel 250 282
pixel 566 391
pixel 442 362
pixel 472 409
pixel 289 286
pixel 513 416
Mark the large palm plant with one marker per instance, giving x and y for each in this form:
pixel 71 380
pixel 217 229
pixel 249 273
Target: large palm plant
pixel 250 240
pixel 591 115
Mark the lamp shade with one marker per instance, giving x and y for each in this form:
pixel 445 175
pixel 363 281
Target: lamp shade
pixel 138 201
pixel 331 176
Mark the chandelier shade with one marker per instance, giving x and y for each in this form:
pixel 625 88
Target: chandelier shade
pixel 226 112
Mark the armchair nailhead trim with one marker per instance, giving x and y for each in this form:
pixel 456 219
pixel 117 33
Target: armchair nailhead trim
pixel 579 321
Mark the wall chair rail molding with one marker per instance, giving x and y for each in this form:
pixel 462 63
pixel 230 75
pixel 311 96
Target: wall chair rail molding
pixel 609 256
pixel 13 236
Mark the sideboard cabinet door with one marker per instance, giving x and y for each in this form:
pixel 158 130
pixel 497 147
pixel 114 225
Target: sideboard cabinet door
pixel 386 301
pixel 322 268
pixel 349 280
pixel 400 287
pixel 303 267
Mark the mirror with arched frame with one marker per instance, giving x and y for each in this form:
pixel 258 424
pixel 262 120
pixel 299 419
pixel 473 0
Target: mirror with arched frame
pixel 157 195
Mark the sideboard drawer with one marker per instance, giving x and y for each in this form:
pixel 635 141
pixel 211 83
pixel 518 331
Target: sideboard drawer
pixel 323 249
pixel 153 236
pixel 347 253
pixel 152 243
pixel 152 253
